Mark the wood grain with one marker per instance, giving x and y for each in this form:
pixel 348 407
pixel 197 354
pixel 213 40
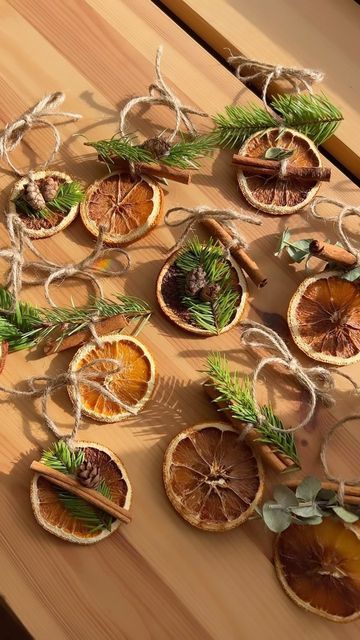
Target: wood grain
pixel 157 578
pixel 324 34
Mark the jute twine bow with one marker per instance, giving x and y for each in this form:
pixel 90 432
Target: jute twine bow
pixel 14 131
pixel 227 217
pixel 298 78
pixel 159 93
pixel 317 380
pixel 44 386
pixel 323 456
pixel 345 212
pixel 15 255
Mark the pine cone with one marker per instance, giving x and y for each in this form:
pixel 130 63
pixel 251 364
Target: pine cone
pixel 157 147
pixel 88 474
pixel 33 196
pixel 210 292
pixel 49 188
pixel 195 281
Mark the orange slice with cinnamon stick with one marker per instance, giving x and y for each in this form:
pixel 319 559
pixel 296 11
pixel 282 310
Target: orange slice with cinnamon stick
pixel 277 195
pixel 324 318
pixel 127 207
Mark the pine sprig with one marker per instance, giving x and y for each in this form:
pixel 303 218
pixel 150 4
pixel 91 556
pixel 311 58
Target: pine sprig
pixel 60 457
pixel 186 153
pixel 313 115
pixel 123 148
pixel 236 396
pixel 68 195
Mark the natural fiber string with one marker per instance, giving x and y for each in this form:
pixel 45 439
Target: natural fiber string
pixel 298 78
pixel 227 217
pixel 14 131
pixel 161 94
pixel 354 482
pixel 15 256
pixel 345 212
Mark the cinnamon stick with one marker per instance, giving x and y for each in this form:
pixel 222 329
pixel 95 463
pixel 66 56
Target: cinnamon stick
pixel 250 267
pixel 103 327
pixel 275 460
pixel 90 495
pixel 154 169
pixel 351 495
pixel 332 253
pixel 263 167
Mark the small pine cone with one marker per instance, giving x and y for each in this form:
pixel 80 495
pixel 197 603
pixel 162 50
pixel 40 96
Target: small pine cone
pixel 33 196
pixel 210 292
pixel 49 188
pixel 195 281
pixel 88 474
pixel 157 147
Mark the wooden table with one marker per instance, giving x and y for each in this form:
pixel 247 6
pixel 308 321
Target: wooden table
pixel 157 578
pixel 324 34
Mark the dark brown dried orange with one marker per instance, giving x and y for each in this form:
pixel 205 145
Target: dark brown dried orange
pixel 324 318
pixel 274 194
pixel 319 568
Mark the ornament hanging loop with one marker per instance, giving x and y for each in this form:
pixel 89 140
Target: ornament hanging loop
pixel 345 211
pixel 354 482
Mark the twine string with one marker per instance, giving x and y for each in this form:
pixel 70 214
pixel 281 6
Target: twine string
pixel 37 115
pixel 15 256
pixel 353 482
pixel 345 211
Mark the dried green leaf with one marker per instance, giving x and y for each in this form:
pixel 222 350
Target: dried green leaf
pixel 307 511
pixel 285 496
pixel 278 153
pixel 276 519
pixel 308 488
pixel 344 514
pixel 351 275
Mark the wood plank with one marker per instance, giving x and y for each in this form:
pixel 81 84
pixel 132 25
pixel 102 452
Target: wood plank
pixel 319 35
pixel 157 577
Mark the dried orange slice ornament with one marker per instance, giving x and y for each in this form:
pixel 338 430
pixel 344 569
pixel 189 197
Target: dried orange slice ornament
pixel 132 384
pixel 127 207
pixel 72 518
pixel 324 318
pixel 273 194
pixel 212 478
pixel 319 568
pixel 45 222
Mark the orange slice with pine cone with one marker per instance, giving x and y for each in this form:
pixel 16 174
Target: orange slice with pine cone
pixel 212 478
pixel 72 518
pixel 273 194
pixel 133 384
pixel 45 219
pixel 319 568
pixel 128 207
pixel 324 318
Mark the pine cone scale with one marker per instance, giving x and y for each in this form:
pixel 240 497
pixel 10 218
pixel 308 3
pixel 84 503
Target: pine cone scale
pixel 157 147
pixel 49 188
pixel 195 281
pixel 88 474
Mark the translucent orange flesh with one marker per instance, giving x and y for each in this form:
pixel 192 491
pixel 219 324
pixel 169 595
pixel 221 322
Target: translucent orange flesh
pixel 56 514
pixel 283 193
pixel 214 475
pixel 129 384
pixel 121 203
pixel 321 564
pixel 328 317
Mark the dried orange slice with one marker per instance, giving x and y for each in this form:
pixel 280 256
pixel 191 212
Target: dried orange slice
pixel 128 207
pixel 324 318
pixel 51 508
pixel 43 227
pixel 319 568
pixel 133 384
pixel 212 477
pixel 273 194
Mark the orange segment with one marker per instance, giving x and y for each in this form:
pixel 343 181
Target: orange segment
pixel 133 384
pixel 128 207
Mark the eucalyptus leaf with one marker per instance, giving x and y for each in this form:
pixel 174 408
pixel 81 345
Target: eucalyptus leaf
pixel 284 496
pixel 308 488
pixel 307 512
pixel 278 153
pixel 344 514
pixel 351 275
pixel 311 521
pixel 283 242
pixel 276 520
pixel 328 496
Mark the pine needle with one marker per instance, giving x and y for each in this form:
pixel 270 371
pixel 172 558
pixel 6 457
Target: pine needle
pixel 68 195
pixel 123 148
pixel 60 457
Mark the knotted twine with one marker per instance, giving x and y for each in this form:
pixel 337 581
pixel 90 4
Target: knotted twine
pixel 72 379
pixel 345 212
pixel 161 94
pixel 84 268
pixel 226 217
pixel 14 131
pixel 354 482
pixel 298 78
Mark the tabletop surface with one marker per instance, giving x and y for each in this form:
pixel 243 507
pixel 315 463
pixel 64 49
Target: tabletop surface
pixel 157 578
pixel 318 35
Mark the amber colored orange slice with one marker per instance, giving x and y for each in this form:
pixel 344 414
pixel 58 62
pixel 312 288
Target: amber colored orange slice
pixel 133 384
pixel 275 195
pixel 324 318
pixel 319 568
pixel 52 514
pixel 212 477
pixel 127 207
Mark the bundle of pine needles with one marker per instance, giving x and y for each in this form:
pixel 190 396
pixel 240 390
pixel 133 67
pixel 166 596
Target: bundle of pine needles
pixel 68 195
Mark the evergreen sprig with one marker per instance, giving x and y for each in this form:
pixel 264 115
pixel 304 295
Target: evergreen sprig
pixel 186 153
pixel 237 398
pixel 210 316
pixel 313 115
pixel 68 195
pixel 124 148
pixel 61 458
